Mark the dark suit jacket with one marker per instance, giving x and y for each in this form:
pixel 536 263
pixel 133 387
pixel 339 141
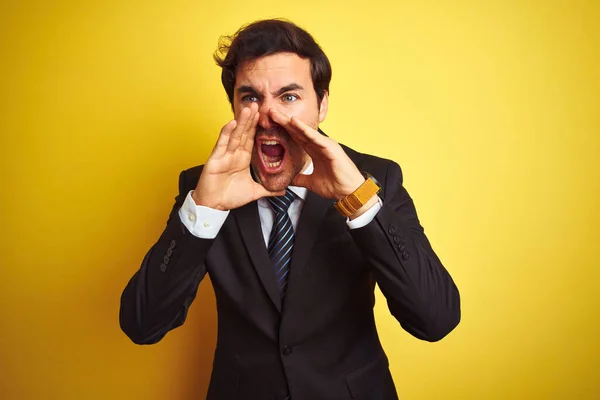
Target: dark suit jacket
pixel 320 342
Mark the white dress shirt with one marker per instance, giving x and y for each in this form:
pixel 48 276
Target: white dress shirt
pixel 205 222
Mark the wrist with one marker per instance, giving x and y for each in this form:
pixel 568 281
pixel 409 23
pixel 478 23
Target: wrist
pixel 360 200
pixel 355 182
pixel 202 201
pixel 374 200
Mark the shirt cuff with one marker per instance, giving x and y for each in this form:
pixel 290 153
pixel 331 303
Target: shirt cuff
pixel 203 222
pixel 367 217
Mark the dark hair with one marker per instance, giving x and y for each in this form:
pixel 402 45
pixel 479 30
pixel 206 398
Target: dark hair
pixel 266 37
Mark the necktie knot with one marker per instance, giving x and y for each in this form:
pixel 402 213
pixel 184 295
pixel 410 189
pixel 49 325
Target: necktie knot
pixel 281 204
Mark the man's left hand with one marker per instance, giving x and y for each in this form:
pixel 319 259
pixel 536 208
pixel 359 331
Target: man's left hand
pixel 335 176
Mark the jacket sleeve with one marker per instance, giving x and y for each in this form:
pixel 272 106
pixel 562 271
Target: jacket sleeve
pixel 420 293
pixel 158 296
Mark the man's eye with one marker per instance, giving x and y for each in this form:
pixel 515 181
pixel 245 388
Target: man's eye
pixel 288 98
pixel 249 99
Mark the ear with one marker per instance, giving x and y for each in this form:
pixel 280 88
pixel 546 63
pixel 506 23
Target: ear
pixel 323 107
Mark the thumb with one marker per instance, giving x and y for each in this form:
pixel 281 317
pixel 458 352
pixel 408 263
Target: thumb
pixel 260 192
pixel 301 180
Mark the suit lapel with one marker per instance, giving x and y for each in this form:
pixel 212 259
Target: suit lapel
pixel 313 211
pixel 250 228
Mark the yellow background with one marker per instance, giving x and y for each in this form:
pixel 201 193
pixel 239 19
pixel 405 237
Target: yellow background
pixel 491 108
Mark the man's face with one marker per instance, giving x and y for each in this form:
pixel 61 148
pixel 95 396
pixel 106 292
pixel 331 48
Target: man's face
pixel 283 82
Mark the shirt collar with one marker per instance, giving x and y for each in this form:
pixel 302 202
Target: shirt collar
pixel 299 190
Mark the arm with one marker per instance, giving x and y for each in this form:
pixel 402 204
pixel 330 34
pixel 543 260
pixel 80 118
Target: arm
pixel 420 293
pixel 158 296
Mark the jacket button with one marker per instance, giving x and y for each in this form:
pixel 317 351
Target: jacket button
pixel 163 267
pixel 396 239
pixel 286 350
pixel 392 230
pixel 401 247
pixel 173 244
pixel 405 255
pixel 166 259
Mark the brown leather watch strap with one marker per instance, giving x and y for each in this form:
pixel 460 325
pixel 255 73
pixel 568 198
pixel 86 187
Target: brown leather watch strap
pixel 351 203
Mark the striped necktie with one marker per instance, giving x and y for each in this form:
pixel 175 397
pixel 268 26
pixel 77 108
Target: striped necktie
pixel 281 240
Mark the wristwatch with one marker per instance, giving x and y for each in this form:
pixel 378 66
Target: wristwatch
pixel 355 200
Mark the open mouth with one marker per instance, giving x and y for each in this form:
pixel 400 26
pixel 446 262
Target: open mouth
pixel 272 154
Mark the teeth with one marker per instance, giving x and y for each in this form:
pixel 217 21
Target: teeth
pixel 271 164
pixel 270 142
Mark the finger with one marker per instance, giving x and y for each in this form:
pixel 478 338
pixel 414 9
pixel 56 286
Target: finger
pixel 299 130
pixel 317 145
pixel 296 134
pixel 253 111
pixel 236 135
pixel 252 134
pixel 223 138
pixel 309 132
pixel 250 126
pixel 286 122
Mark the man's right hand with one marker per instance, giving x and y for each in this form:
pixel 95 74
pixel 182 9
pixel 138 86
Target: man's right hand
pixel 226 182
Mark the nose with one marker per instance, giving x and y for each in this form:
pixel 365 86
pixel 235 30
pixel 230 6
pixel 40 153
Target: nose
pixel 264 119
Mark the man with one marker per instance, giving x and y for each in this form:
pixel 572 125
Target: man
pixel 294 231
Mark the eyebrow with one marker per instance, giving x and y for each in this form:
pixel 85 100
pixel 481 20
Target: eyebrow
pixel 249 89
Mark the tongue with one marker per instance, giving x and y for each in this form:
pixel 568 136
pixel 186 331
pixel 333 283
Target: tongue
pixel 272 150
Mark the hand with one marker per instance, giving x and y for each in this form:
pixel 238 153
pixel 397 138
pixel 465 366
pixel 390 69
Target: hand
pixel 335 176
pixel 226 182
